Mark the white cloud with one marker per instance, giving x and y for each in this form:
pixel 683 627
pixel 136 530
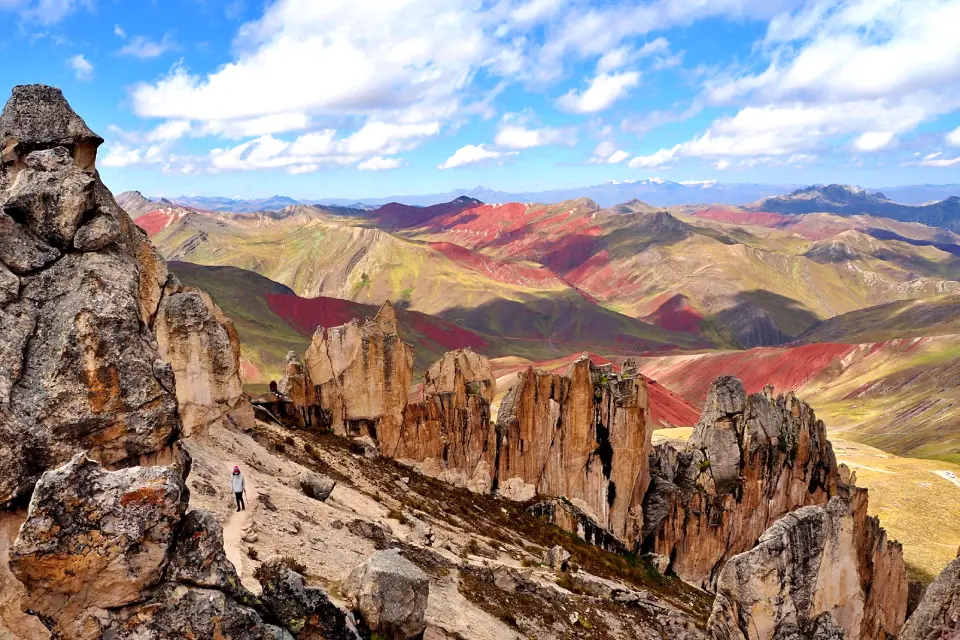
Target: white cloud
pixel 168 131
pixel 607 153
pixel 533 11
pixel 953 138
pixel 388 138
pixel 721 165
pixel 940 162
pixel 873 141
pixel 260 126
pixel 604 90
pixel 615 59
pixel 145 48
pixel 658 159
pixel 82 68
pixel 119 156
pixel 378 163
pixel 119 32
pixel 44 12
pixel 473 154
pixel 520 137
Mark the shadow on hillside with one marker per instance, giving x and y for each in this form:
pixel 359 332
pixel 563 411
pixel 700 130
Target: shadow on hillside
pixel 761 318
pixel 883 234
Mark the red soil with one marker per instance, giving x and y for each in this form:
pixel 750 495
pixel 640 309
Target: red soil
pixel 159 219
pixel 502 270
pixel 736 216
pixel 676 314
pixel 785 368
pixel 306 314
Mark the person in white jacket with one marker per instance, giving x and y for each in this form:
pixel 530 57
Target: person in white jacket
pixel 236 483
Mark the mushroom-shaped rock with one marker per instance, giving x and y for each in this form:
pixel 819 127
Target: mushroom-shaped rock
pixel 306 611
pixel 39 117
pixel 316 486
pixel 938 614
pixel 390 593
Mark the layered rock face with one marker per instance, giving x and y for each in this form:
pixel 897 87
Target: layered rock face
pixel 361 374
pixel 821 572
pixel 938 615
pixel 449 433
pixel 582 435
pixel 750 461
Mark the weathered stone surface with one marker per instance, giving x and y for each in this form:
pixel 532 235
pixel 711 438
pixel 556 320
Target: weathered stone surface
pixel 14 623
pixel 79 367
pixel 97 234
pixel 390 593
pixel 315 485
pixel 38 117
pixel 19 250
pixel 361 374
pixel 297 385
pixel 938 615
pixel 198 558
pixel 306 611
pixel 583 435
pixel 95 540
pixel 471 367
pixel 449 433
pixel 749 461
pixel 202 346
pixel 188 613
pixel 821 572
pixel 565 514
pixel 51 195
pixel 557 557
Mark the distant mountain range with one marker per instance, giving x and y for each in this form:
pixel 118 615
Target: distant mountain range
pixel 656 192
pixel 846 200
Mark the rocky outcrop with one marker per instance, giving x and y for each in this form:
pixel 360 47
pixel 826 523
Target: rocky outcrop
pixel 79 364
pixel 361 374
pixel 563 513
pixel 821 572
pixel 297 386
pixel 390 593
pixel 938 615
pixel 449 434
pixel 750 461
pixel 202 346
pixel 583 435
pixel 306 611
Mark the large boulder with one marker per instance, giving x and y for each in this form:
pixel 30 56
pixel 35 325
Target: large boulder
pixel 95 540
pixel 306 611
pixel 750 460
pixel 316 486
pixel 390 593
pixel 938 615
pixel 821 572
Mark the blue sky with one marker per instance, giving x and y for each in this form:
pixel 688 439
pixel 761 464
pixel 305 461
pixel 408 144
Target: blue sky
pixel 354 98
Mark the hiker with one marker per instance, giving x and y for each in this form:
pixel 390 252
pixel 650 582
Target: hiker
pixel 237 484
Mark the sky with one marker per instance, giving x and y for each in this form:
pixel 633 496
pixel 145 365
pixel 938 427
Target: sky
pixel 371 98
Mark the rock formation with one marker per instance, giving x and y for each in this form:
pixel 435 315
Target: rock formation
pixel 114 554
pixel 448 433
pixel 390 593
pixel 202 346
pixel 361 374
pixel 821 572
pixel 750 461
pixel 94 335
pixel 582 435
pixel 297 386
pixel 938 615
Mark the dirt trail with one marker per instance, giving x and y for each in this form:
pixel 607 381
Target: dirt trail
pixel 235 529
pixel 950 478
